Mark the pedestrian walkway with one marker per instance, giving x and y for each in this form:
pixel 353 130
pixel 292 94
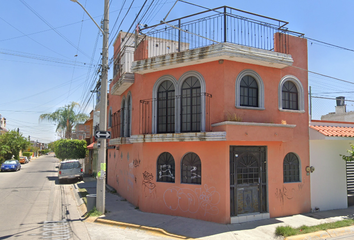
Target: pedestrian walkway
pixel 120 212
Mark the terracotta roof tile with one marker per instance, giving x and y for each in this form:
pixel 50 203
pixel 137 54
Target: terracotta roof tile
pixel 333 131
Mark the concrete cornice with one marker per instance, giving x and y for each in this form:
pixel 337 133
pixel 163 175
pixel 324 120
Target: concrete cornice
pixel 179 137
pixel 225 51
pixel 253 124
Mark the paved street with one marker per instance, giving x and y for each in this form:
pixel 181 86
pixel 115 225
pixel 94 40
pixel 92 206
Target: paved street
pixel 34 206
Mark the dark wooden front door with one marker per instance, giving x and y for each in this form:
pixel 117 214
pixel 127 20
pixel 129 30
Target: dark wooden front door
pixel 247 180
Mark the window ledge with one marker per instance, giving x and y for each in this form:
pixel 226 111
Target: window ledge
pixel 250 108
pixel 179 137
pixel 253 124
pixel 293 182
pixel 289 110
pixel 119 141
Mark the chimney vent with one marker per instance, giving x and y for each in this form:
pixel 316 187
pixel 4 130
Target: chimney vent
pixel 340 101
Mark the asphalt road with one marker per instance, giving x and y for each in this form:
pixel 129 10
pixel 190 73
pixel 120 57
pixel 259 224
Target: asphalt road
pixel 34 206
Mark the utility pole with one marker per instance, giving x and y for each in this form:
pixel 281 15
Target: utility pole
pixel 101 182
pixel 101 165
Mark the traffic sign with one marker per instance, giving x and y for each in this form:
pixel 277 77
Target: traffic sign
pixel 103 134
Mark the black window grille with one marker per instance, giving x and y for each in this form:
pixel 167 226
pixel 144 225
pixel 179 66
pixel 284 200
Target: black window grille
pixel 191 170
pixel 122 126
pixel 290 96
pixel 191 105
pixel 247 169
pixel 291 168
pixel 165 168
pixel 110 118
pixel 128 115
pixel 249 92
pixel 166 108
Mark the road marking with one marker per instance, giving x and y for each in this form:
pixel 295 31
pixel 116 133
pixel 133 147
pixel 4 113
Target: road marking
pixel 59 230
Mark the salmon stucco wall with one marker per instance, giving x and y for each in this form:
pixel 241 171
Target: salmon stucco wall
pixel 132 169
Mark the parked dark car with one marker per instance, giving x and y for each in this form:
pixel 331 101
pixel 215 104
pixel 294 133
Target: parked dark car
pixel 10 165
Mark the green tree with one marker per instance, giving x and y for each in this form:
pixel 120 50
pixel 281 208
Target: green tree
pixel 51 146
pixel 66 118
pixel 70 149
pixel 11 143
pixel 351 154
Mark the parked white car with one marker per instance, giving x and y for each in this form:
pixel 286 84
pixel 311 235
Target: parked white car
pixel 70 169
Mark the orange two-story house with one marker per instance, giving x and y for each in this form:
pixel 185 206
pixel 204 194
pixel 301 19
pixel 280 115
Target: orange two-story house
pixel 209 118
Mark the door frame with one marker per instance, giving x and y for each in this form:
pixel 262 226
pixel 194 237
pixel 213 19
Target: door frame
pixel 263 198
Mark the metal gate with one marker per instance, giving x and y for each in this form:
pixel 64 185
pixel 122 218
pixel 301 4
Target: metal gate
pixel 350 183
pixel 248 180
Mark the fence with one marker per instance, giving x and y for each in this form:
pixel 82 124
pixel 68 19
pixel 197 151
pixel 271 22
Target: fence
pixel 146 115
pixel 223 24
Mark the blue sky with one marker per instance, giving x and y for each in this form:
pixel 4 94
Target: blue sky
pixel 49 50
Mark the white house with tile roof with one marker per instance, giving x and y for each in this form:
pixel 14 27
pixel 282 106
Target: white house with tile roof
pixel 329 139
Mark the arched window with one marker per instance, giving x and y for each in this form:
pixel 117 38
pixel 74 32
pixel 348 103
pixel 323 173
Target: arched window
pixel 191 169
pixel 190 105
pixel 122 119
pixel 249 92
pixel 165 168
pixel 289 96
pixel 129 108
pixel 291 168
pixel 166 107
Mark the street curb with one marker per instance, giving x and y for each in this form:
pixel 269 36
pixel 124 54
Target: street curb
pixel 323 234
pixel 145 228
pixel 79 202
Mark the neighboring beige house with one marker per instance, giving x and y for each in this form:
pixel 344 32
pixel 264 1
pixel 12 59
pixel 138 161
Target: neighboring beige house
pixel 2 125
pixel 341 113
pixel 331 184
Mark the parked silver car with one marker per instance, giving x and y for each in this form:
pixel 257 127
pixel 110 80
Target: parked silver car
pixel 70 169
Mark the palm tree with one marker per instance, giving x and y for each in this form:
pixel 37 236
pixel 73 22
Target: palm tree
pixel 65 117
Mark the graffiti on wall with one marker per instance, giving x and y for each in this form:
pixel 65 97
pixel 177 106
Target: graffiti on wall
pixel 136 162
pixel 148 184
pixel 165 171
pixel 284 194
pixel 192 201
pixel 193 173
pixel 116 170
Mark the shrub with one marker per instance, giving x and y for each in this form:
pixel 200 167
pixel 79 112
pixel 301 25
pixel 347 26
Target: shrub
pixel 27 154
pixel 70 149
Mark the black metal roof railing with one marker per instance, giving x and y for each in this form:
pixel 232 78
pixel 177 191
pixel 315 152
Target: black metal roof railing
pixel 222 24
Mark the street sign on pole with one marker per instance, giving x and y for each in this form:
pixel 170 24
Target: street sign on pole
pixel 103 134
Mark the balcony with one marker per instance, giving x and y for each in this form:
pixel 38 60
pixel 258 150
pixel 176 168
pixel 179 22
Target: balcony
pixel 118 129
pixel 154 128
pixel 220 33
pixel 123 78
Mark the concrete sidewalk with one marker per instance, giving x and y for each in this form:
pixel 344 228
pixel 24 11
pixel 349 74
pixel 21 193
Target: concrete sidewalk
pixel 122 213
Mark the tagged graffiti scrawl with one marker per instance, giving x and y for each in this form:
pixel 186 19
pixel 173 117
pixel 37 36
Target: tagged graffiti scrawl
pixel 136 162
pixel 188 200
pixel 283 193
pixel 149 185
pixel 165 171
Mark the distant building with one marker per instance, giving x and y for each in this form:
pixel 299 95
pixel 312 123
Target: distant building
pixel 341 113
pixel 81 132
pixel 2 125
